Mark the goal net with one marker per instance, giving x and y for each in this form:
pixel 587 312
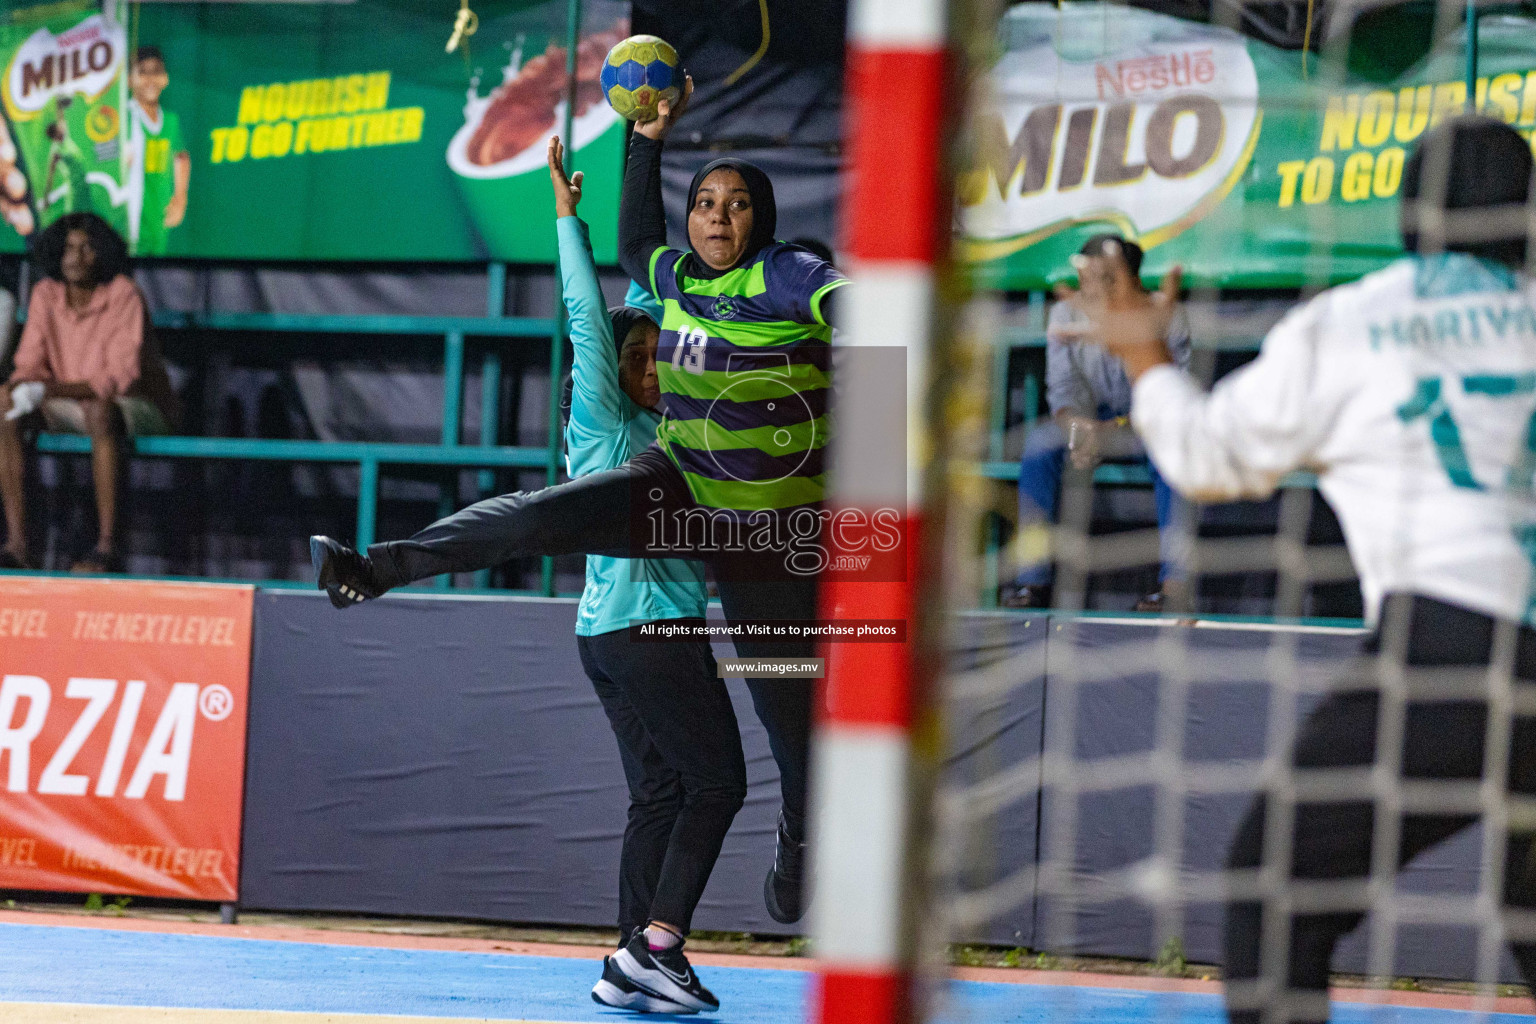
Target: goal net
pixel 1159 796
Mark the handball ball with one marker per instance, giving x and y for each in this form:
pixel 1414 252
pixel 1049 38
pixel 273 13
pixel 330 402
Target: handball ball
pixel 639 72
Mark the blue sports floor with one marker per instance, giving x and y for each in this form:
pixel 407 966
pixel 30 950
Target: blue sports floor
pixel 66 974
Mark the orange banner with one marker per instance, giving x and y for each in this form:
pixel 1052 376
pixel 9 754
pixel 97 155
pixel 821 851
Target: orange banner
pixel 122 735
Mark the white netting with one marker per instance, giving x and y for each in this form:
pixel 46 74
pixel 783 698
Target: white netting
pixel 1100 765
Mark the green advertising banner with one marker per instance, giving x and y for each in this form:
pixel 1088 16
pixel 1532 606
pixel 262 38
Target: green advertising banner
pixel 281 131
pixel 1216 152
pixel 306 131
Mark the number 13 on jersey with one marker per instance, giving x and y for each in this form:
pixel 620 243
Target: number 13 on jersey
pixel 689 353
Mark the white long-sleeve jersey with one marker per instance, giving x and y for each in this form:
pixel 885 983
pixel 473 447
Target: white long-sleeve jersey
pixel 1412 394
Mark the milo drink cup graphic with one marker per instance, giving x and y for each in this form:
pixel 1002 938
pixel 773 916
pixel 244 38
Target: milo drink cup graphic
pixel 499 156
pixel 63 93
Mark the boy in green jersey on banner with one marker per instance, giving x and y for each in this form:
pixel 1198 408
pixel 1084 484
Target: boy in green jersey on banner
pixel 65 189
pixel 159 166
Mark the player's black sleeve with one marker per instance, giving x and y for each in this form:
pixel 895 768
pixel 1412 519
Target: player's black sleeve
pixel 642 220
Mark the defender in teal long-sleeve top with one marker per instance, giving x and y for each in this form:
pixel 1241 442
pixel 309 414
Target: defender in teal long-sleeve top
pixel 605 430
pixel 670 712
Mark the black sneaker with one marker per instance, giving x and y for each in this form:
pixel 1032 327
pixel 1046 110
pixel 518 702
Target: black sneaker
pixel 342 573
pixel 615 990
pixel 665 973
pixel 784 886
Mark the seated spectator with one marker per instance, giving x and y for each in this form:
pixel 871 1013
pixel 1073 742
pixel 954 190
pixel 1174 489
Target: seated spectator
pixel 1090 401
pixel 87 363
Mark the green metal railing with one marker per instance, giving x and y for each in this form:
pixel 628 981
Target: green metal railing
pixel 488 456
pixel 371 456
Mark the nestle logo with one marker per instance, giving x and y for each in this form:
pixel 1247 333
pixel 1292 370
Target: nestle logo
pixel 77 36
pixel 1151 74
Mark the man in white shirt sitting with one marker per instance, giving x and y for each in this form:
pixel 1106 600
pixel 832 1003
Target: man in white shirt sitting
pixel 1090 400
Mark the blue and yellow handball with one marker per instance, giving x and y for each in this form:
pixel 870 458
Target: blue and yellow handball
pixel 639 73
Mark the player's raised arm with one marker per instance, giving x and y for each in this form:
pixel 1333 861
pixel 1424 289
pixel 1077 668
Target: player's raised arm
pixel 1258 424
pixel 596 401
pixel 642 219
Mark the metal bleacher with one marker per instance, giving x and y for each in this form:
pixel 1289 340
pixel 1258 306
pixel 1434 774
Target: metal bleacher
pixel 1217 327
pixel 451 452
pixel 370 456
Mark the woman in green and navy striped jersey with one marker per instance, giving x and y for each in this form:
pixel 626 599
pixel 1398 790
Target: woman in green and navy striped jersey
pixel 745 353
pixel 744 364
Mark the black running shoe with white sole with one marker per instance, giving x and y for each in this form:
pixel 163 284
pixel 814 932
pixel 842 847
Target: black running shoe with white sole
pixel 615 990
pixel 665 973
pixel 344 574
pixel 783 889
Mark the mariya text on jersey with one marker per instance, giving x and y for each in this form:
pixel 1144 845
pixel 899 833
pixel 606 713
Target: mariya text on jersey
pixel 1483 318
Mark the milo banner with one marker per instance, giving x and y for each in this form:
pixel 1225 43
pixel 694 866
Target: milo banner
pixel 1213 150
pixel 305 131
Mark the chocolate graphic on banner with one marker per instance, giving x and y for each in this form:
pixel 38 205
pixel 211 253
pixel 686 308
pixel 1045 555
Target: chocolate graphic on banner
pixel 498 158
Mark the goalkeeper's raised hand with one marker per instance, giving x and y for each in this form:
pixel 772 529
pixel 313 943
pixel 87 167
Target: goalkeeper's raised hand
pixel 1129 321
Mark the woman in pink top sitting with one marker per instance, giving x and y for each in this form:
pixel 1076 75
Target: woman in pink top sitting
pixel 87 363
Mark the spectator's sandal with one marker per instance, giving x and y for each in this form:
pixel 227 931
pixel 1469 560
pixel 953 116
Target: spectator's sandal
pixel 1028 595
pixel 98 561
pixel 1175 596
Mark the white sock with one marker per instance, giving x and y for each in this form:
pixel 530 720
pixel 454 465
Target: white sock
pixel 657 937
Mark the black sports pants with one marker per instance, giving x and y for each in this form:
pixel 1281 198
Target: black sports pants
pixel 613 513
pixel 1442 739
pixel 681 751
